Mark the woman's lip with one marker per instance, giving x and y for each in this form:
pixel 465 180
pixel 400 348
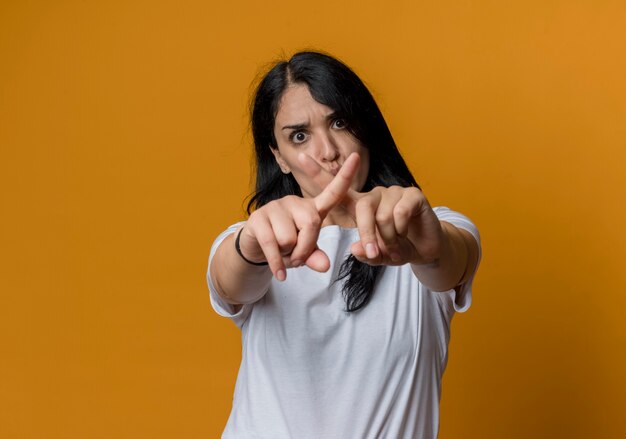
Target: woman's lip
pixel 334 171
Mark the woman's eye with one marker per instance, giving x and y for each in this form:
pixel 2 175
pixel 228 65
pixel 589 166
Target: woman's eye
pixel 298 137
pixel 339 123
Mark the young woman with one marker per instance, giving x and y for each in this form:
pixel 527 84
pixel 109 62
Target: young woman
pixel 343 280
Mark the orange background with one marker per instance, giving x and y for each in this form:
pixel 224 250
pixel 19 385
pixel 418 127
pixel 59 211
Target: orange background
pixel 125 151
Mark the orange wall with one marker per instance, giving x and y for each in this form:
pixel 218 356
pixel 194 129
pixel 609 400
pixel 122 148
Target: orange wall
pixel 124 152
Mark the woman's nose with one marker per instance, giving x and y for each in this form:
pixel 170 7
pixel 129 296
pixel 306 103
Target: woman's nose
pixel 328 149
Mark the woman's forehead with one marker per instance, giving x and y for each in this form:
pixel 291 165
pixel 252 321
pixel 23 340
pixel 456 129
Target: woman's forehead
pixel 297 106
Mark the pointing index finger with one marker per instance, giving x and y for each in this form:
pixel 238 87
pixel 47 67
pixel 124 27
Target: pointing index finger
pixel 335 192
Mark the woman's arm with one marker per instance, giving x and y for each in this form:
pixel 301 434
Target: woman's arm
pixel 234 279
pixel 456 263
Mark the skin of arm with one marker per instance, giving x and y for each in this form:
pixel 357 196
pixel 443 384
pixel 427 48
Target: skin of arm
pixel 236 281
pixel 456 263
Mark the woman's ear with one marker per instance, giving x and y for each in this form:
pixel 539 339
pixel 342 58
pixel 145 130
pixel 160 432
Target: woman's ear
pixel 279 159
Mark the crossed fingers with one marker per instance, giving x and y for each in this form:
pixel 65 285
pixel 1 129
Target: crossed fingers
pixel 284 232
pixel 382 216
pixel 336 189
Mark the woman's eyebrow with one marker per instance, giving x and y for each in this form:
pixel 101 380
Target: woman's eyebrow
pixel 300 126
pixel 296 127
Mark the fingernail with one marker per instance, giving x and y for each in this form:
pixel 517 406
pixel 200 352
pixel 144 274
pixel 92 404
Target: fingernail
pixel 280 275
pixel 370 250
pixel 296 263
pixel 395 257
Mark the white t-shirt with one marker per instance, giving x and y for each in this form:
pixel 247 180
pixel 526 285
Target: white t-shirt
pixel 309 369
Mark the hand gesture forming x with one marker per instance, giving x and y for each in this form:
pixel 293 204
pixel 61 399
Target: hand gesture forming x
pixel 396 224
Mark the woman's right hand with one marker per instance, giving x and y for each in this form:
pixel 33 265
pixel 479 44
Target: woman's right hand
pixel 284 232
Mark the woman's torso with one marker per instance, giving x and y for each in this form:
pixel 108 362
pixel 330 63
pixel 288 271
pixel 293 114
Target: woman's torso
pixel 311 370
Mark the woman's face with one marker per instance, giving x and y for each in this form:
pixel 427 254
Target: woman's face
pixel 304 125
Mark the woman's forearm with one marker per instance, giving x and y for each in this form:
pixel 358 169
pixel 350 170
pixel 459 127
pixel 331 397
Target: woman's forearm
pixel 454 264
pixel 237 281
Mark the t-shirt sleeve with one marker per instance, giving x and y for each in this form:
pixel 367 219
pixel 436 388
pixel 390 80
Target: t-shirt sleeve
pixel 462 299
pixel 220 306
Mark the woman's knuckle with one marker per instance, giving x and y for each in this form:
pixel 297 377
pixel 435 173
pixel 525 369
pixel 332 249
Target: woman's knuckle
pixel 252 219
pixel 416 192
pixel 384 217
pixel 290 199
pixel 287 242
pixel 401 211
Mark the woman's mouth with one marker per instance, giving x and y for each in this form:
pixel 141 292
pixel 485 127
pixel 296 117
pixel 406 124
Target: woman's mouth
pixel 334 171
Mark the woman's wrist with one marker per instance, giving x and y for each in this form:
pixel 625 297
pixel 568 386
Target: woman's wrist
pixel 237 281
pixel 442 273
pixel 238 250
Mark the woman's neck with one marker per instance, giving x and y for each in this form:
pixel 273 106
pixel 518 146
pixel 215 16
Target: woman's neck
pixel 339 216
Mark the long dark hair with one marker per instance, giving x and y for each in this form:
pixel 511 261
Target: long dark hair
pixel 335 85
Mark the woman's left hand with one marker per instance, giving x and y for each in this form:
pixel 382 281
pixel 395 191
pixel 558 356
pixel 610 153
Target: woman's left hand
pixel 396 224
